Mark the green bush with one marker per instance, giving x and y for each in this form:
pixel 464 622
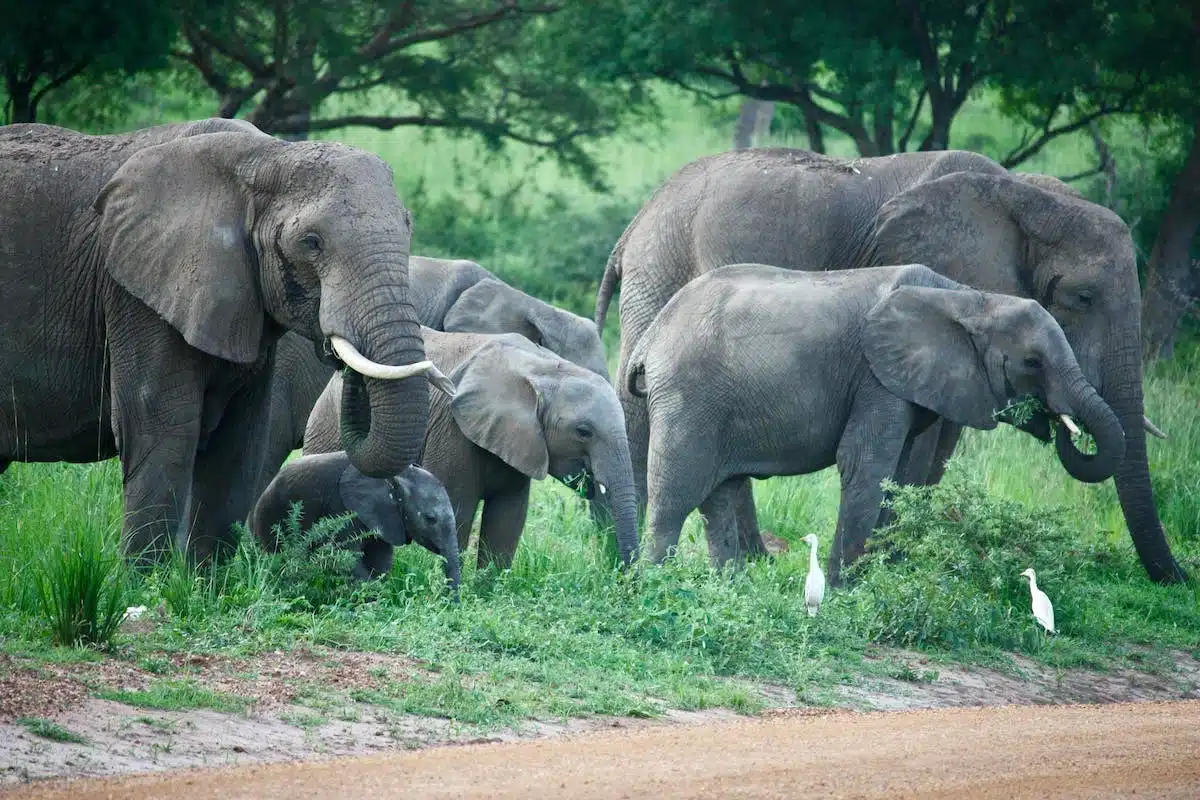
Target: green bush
pixel 82 587
pixel 314 566
pixel 946 572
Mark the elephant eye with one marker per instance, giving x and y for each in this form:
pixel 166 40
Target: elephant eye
pixel 312 242
pixel 1085 299
pixel 1032 362
pixel 584 431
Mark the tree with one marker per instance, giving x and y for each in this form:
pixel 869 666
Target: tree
pixel 484 67
pixel 44 44
pixel 889 74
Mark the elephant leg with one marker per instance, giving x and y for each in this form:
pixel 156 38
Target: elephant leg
pixel 3 465
pixel 721 524
pixel 870 451
pixel 749 537
pixel 500 529
pixel 157 407
pixel 674 491
pixel 637 430
pixel 947 442
pixel 225 478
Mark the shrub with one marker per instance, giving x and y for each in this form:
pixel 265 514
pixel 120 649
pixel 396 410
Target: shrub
pixel 946 572
pixel 314 566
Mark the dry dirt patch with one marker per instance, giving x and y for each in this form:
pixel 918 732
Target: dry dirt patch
pixel 277 726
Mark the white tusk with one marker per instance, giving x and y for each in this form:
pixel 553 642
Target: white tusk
pixel 369 369
pixel 1152 429
pixel 602 488
pixel 1070 423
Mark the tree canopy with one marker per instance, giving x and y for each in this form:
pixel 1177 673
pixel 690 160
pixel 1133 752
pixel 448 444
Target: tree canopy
pixel 44 44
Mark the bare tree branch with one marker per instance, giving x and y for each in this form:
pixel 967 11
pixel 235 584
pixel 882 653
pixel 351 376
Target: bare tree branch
pixel 1024 151
pixel 58 81
pixel 902 145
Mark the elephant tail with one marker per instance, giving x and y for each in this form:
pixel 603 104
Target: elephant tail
pixel 608 284
pixel 635 376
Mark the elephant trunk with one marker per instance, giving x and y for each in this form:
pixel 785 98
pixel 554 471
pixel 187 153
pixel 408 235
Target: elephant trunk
pixel 1122 381
pixel 383 421
pixel 613 475
pixel 449 551
pixel 1103 425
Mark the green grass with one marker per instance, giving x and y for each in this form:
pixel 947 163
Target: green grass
pixel 563 633
pixel 169 694
pixel 50 730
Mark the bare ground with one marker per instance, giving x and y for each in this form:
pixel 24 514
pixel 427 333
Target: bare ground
pixel 298 706
pixel 1114 750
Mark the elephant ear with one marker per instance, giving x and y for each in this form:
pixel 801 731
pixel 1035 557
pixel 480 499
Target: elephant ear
pixel 497 407
pixel 372 501
pixel 962 220
pixel 175 228
pixel 920 344
pixel 492 306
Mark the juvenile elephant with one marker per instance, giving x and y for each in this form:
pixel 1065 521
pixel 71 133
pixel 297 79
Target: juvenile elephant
pixel 959 213
pixel 448 295
pixel 410 507
pixel 519 413
pixel 754 371
pixel 146 278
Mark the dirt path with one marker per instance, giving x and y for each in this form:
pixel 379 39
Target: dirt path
pixel 1151 749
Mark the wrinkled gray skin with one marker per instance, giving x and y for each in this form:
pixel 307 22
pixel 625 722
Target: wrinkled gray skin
pixel 962 214
pixel 756 371
pixel 410 507
pixel 448 295
pixel 147 278
pixel 520 413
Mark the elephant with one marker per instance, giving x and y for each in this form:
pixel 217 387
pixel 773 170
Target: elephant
pixel 752 370
pixel 148 277
pixel 959 213
pixel 449 295
pixel 519 413
pixel 410 507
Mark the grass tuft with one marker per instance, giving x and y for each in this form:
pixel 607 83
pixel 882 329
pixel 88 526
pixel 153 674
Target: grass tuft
pixel 50 730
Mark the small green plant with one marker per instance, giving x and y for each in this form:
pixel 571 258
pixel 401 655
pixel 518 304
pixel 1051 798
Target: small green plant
pixel 50 730
pixel 1020 411
pixel 314 566
pixel 82 588
pixel 176 695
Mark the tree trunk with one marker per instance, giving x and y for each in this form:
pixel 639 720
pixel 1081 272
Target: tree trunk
pixel 21 105
pixel 754 122
pixel 1172 275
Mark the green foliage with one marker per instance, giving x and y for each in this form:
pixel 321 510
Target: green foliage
pixel 81 587
pixel 947 572
pixel 170 694
pixel 314 565
pixel 45 45
pixel 50 730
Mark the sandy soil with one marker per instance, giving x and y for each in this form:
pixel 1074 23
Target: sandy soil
pixel 1116 750
pixel 300 707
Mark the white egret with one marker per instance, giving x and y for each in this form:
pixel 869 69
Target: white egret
pixel 814 584
pixel 1043 611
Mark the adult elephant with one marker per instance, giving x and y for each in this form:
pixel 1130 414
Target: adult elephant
pixel 958 212
pixel 147 278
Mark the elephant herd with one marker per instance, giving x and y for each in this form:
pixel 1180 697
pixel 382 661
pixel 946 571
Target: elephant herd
pixel 200 299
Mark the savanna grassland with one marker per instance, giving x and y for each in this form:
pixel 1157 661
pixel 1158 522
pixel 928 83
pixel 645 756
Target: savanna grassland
pixel 564 633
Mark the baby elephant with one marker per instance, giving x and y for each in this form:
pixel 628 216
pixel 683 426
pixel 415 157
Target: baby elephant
pixel 411 507
pixel 756 371
pixel 520 413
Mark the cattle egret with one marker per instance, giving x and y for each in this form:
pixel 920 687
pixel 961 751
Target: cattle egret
pixel 814 584
pixel 1043 611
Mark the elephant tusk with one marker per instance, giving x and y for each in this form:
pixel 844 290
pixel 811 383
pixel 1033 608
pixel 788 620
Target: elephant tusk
pixel 1152 429
pixel 602 488
pixel 440 381
pixel 369 369
pixel 1070 423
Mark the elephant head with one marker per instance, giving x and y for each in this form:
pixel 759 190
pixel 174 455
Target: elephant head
pixel 492 306
pixel 412 506
pixel 998 232
pixel 233 236
pixel 543 415
pixel 966 355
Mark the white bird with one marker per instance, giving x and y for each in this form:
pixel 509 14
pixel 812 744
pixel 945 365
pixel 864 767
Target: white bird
pixel 1043 611
pixel 814 584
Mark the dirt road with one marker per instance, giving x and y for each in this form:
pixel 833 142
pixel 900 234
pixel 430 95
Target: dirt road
pixel 1151 749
